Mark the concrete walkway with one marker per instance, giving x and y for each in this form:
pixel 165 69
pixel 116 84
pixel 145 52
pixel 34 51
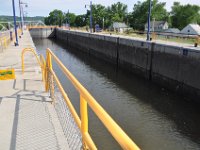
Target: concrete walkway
pixel 28 120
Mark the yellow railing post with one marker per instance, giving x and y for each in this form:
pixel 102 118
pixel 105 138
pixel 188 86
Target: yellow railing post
pixel 22 56
pixel 49 80
pixel 47 72
pixel 84 119
pixel 43 67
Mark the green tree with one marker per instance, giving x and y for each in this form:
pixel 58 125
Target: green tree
pixel 70 18
pixel 139 16
pixel 98 15
pixel 182 15
pixel 117 12
pixel 56 17
pixel 80 21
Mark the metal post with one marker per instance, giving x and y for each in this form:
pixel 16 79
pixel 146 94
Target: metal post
pixel 20 15
pixel 149 21
pixel 153 24
pixel 68 19
pixel 14 17
pixel 90 16
pixel 103 23
pixel 84 119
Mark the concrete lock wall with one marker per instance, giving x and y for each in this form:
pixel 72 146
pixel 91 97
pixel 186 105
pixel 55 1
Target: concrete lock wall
pixel 175 68
pixel 42 32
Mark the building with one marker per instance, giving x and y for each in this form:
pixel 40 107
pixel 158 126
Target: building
pixel 119 27
pixel 157 26
pixel 192 29
pixel 172 30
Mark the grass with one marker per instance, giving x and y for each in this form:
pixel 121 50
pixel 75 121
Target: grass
pixel 143 36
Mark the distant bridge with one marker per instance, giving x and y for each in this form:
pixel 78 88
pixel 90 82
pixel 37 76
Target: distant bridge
pixel 7 25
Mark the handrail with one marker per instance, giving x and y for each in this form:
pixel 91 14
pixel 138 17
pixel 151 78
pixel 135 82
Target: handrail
pixel 43 67
pixel 6 37
pixel 86 98
pixel 41 27
pixel 29 50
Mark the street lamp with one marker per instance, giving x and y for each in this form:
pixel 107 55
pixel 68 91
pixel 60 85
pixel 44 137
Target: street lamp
pixel 149 22
pixel 14 18
pixel 103 23
pixel 68 19
pixel 90 15
pixel 22 13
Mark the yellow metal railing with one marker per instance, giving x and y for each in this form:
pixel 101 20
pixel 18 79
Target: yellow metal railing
pixel 86 99
pixel 35 54
pixel 4 39
pixel 41 27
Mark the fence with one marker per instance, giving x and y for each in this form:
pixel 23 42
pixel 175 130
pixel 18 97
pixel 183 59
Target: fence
pixel 6 37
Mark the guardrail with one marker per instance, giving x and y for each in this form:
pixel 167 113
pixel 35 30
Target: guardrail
pixel 4 40
pixel 6 37
pixel 46 27
pixel 41 27
pixel 86 99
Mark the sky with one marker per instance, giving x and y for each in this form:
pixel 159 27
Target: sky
pixel 43 7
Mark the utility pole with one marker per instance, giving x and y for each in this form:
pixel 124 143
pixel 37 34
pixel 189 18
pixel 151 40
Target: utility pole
pixel 90 16
pixel 153 24
pixel 22 17
pixel 68 20
pixel 149 22
pixel 103 23
pixel 20 11
pixel 14 18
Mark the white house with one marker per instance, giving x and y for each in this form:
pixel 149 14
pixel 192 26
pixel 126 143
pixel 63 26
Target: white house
pixel 193 29
pixel 119 27
pixel 157 26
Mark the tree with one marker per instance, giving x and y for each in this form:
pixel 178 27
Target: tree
pixel 117 12
pixel 98 15
pixel 70 18
pixel 56 17
pixel 138 17
pixel 80 21
pixel 182 15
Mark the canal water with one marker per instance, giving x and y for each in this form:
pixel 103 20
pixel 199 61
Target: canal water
pixel 153 117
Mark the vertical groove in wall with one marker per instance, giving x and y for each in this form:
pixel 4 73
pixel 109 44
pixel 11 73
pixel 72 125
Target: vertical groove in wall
pixel 117 59
pixel 151 60
pixel 67 39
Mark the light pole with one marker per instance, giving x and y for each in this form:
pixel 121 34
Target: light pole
pixel 149 22
pixel 22 13
pixel 90 15
pixel 103 23
pixel 154 19
pixel 68 20
pixel 14 17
